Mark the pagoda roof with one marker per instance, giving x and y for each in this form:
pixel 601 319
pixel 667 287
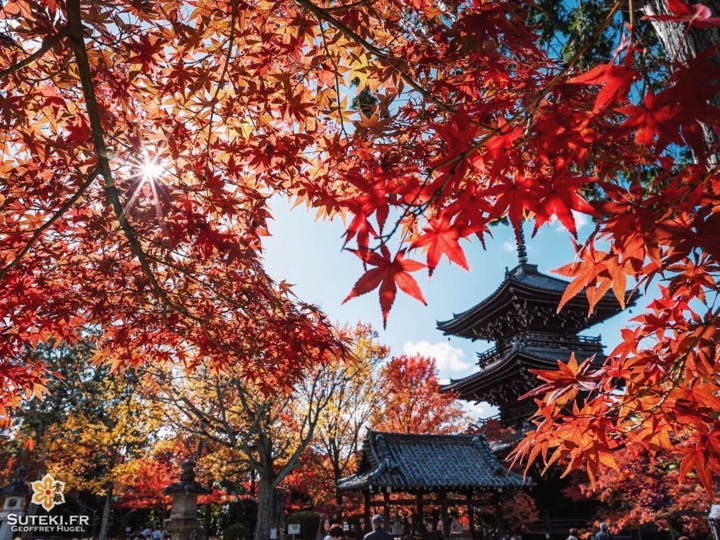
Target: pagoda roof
pixel 498 316
pixel 412 463
pixel 505 368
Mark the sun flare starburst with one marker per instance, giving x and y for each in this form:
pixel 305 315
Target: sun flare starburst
pixel 151 170
pixel 149 175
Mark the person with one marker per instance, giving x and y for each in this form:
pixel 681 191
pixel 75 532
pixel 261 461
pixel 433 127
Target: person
pixel 146 533
pixel 439 527
pixel 378 533
pixel 397 523
pixel 455 525
pixel 603 534
pixel 323 529
pixel 573 535
pixel 157 535
pixel 335 533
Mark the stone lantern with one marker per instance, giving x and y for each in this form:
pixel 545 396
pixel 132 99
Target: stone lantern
pixel 15 495
pixel 184 523
pixel 714 520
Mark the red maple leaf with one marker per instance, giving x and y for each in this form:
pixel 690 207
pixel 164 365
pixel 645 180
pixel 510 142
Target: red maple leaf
pixel 517 196
pixel 388 275
pixel 563 384
pixel 615 80
pixel 442 238
pixel 655 117
pixel 697 15
pixel 560 199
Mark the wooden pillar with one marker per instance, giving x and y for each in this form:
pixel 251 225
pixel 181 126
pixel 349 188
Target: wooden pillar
pixel 420 525
pixel 367 511
pixel 444 516
pixel 471 516
pixel 499 518
pixel 386 510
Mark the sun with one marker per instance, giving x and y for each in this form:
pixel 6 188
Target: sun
pixel 150 174
pixel 150 170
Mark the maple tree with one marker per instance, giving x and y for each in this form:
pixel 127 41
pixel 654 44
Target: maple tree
pixel 357 399
pixel 93 432
pixel 142 141
pixel 120 213
pixel 239 427
pixel 412 401
pixel 644 492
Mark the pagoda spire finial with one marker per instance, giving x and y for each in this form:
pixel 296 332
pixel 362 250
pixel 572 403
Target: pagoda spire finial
pixel 520 241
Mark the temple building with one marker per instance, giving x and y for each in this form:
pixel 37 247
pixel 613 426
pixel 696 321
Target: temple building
pixel 427 475
pixel 522 318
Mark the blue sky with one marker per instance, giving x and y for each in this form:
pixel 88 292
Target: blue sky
pixel 307 253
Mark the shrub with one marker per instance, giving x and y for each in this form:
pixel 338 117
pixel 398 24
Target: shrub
pixel 237 531
pixel 241 512
pixel 308 521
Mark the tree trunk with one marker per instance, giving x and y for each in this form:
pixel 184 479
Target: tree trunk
pixel 338 497
pixel 671 34
pixel 207 517
pixel 679 49
pixel 337 473
pixel 271 504
pixel 105 523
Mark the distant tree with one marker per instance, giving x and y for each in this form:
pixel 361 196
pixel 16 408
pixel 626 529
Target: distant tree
pixel 642 490
pixel 412 401
pixel 399 395
pixel 356 399
pixel 91 426
pixel 251 427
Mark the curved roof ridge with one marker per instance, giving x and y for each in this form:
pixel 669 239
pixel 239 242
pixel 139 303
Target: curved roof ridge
pixel 421 462
pixel 527 277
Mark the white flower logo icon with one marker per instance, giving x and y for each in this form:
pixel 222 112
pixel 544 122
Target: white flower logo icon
pixel 48 492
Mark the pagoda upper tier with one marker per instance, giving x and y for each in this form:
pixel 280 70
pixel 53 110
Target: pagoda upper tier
pixel 527 301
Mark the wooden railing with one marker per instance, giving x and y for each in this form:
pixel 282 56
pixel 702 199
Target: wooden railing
pixel 591 344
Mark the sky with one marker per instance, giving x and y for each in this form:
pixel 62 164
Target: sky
pixel 307 253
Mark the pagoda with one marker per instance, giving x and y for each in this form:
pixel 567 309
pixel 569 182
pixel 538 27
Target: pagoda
pixel 522 318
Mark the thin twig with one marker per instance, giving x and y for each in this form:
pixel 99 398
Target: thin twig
pixel 393 62
pixel 361 3
pixel 220 84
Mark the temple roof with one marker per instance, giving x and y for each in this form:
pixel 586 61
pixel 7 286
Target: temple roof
pixel 503 375
pixel 408 462
pixel 528 300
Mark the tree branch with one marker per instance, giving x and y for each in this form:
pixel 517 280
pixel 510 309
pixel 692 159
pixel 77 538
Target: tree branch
pixel 75 32
pixel 334 9
pixel 47 44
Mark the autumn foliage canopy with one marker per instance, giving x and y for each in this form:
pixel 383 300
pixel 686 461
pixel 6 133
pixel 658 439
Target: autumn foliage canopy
pixel 142 140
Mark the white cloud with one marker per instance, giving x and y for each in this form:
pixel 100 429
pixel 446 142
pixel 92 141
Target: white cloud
pixel 447 357
pixel 580 221
pixel 508 246
pixel 479 410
